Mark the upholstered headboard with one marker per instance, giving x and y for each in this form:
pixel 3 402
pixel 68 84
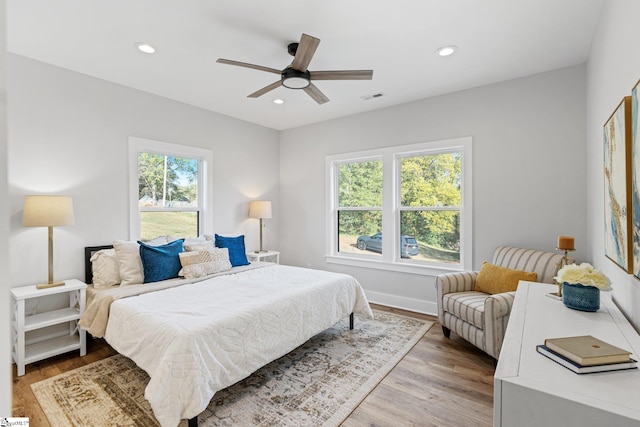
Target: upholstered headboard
pixel 88 253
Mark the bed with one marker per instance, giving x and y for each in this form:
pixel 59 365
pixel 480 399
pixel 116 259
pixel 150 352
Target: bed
pixel 197 336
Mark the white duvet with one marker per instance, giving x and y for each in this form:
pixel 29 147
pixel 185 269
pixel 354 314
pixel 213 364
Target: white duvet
pixel 196 339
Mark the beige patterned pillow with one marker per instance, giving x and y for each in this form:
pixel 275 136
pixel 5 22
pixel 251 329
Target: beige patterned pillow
pixel 204 262
pixel 189 258
pixel 105 269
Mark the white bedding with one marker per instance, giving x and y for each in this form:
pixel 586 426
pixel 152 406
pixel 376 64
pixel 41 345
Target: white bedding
pixel 196 339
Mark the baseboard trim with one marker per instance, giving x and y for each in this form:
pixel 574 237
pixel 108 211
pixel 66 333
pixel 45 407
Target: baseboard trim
pixel 404 303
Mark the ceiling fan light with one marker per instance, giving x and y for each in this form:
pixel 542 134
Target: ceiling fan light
pixel 296 82
pixel 294 79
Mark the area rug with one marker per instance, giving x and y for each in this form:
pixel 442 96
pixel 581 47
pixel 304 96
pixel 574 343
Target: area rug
pixel 318 384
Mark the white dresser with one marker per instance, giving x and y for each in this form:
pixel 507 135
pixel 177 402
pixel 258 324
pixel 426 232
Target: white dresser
pixel 532 390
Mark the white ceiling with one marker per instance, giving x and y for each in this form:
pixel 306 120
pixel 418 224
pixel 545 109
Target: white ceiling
pixel 497 40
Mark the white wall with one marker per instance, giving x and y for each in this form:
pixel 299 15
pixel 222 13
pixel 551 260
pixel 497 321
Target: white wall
pixel 5 355
pixel 68 134
pixel 612 70
pixel 528 171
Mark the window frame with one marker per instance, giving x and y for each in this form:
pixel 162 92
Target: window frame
pixel 337 164
pixel 205 187
pixel 391 207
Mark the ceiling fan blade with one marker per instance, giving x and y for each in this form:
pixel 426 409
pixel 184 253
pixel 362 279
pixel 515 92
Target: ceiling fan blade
pixel 342 75
pixel 315 93
pixel 306 48
pixel 247 65
pixel 265 89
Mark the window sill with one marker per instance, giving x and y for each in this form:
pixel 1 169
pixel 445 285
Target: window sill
pixel 402 267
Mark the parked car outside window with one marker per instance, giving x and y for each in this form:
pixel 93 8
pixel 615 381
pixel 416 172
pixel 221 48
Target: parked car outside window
pixel 408 244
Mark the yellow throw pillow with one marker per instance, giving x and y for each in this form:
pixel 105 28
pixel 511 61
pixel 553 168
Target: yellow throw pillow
pixel 494 279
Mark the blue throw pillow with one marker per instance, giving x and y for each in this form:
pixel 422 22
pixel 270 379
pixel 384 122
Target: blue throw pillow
pixel 237 253
pixel 160 262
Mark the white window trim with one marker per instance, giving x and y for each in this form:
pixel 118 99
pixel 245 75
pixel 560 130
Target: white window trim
pixel 205 174
pixel 390 259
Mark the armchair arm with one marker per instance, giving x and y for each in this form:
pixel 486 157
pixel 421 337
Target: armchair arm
pixel 463 281
pixel 497 309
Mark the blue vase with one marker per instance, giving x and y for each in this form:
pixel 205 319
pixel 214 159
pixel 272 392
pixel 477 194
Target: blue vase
pixel 579 297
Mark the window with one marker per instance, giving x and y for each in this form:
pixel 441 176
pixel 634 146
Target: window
pixel 168 189
pixel 359 206
pixel 419 195
pixel 430 205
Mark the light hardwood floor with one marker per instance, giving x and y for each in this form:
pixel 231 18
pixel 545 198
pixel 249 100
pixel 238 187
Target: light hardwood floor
pixel 440 382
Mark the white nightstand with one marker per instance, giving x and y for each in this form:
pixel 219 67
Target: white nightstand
pixel 270 256
pixel 21 323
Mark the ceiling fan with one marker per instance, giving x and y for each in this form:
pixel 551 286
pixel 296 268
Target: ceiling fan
pixel 296 75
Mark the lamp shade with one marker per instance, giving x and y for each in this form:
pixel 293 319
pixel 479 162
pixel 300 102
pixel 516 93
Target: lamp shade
pixel 260 209
pixel 47 211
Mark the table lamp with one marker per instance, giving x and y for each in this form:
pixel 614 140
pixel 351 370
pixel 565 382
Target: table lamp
pixel 566 244
pixel 260 209
pixel 48 211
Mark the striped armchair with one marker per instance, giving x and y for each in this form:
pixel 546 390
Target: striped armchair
pixel 482 318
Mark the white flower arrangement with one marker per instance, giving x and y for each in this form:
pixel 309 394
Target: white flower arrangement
pixel 583 274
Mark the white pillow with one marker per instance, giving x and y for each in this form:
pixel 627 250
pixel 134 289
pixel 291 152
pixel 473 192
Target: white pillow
pixel 105 268
pixel 129 262
pixel 162 240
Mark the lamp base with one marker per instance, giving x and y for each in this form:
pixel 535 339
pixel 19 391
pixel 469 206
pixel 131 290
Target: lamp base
pixel 49 285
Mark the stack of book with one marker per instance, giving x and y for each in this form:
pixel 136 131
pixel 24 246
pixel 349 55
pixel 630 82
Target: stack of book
pixel 586 354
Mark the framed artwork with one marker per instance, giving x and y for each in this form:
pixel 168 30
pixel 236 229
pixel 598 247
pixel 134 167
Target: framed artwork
pixel 618 245
pixel 635 195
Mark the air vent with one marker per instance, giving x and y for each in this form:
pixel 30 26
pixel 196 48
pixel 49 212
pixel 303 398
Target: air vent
pixel 372 96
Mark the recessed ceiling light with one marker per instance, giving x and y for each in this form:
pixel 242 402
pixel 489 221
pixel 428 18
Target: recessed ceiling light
pixel 278 101
pixel 447 50
pixel 145 48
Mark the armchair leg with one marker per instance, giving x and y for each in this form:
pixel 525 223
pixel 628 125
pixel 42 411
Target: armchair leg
pixel 446 331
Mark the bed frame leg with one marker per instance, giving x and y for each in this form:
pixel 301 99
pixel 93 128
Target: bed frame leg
pixel 193 422
pixel 350 324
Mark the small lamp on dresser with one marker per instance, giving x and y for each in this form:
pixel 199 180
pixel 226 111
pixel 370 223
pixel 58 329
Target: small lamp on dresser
pixel 566 244
pixel 260 209
pixel 48 211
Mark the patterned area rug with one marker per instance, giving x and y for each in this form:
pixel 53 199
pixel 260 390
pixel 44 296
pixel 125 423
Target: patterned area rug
pixel 318 384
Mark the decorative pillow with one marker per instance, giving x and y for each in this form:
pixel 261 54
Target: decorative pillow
pixel 494 279
pixel 105 269
pixel 189 258
pixel 187 240
pixel 129 262
pixel 160 262
pixel 237 252
pixel 162 240
pixel 195 247
pixel 212 237
pixel 202 263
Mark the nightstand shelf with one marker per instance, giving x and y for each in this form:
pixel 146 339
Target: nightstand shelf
pixel 50 318
pixel 21 323
pixel 51 347
pixel 268 256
